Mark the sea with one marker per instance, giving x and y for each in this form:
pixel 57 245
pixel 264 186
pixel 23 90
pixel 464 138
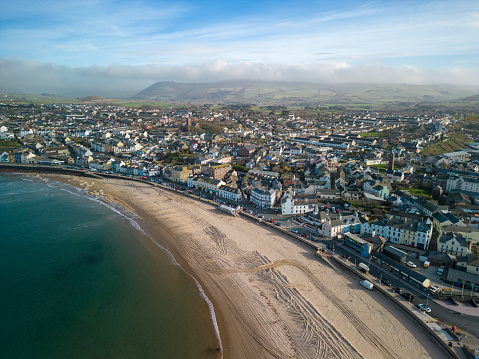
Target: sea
pixel 77 282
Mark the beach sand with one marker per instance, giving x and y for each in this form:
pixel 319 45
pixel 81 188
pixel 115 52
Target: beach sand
pixel 272 296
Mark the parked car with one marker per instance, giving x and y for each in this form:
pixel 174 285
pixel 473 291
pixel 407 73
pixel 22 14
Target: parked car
pixel 408 296
pixel 294 230
pixel 385 282
pixel 410 264
pixel 434 288
pixel 346 257
pixel 278 224
pixel 397 290
pixel 424 308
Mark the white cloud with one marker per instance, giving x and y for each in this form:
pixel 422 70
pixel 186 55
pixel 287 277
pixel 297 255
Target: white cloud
pixel 125 81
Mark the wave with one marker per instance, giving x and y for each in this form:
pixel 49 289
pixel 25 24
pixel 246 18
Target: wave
pixel 212 313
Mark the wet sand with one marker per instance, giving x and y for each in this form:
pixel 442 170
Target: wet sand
pixel 273 297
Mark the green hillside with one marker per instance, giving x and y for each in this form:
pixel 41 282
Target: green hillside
pixel 286 93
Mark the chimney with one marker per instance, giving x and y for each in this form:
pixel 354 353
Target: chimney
pixel 391 162
pixel 332 177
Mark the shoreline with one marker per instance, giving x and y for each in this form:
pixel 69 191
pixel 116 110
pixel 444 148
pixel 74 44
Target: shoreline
pixel 249 301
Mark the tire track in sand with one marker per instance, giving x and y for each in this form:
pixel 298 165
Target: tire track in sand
pixel 361 327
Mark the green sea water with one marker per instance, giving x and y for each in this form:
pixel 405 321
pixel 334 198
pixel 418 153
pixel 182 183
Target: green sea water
pixel 76 282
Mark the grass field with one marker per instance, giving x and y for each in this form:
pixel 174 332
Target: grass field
pixel 423 192
pixel 454 143
pixel 373 134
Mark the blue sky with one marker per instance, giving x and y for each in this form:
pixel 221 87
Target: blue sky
pixel 409 41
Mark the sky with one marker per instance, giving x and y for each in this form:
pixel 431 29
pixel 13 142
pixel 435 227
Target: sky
pixel 119 47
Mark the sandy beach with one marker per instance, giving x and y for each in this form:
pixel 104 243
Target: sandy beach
pixel 273 298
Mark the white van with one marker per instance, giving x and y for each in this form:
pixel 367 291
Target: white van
pixel 367 284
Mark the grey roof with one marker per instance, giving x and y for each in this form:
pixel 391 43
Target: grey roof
pixel 230 189
pixel 470 259
pixel 445 237
pixel 454 275
pixel 426 204
pixel 412 274
pixel 394 251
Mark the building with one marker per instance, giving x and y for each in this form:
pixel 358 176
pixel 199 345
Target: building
pixel 470 263
pixel 206 184
pixel 441 220
pixel 462 183
pixel 217 171
pixel 180 174
pixel 395 253
pixel 462 279
pixel 357 243
pixel 415 234
pixel 246 150
pixel 425 207
pixel 453 243
pixel 413 277
pixel 230 193
pixel 296 205
pixel 264 198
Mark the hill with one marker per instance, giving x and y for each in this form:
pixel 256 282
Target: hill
pixel 302 94
pixel 91 99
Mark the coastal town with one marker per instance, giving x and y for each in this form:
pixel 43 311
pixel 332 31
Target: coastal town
pixel 398 189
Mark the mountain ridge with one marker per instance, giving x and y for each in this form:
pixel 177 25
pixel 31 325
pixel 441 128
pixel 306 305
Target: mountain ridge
pixel 270 92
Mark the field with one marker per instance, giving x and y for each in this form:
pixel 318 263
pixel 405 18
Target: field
pixel 423 192
pixel 454 143
pixel 373 134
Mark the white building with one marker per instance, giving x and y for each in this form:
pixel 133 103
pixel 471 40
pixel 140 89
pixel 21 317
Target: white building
pixel 291 205
pixel 263 198
pixel 462 183
pixel 453 243
pixel 230 193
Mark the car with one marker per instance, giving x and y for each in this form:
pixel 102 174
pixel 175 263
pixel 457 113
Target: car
pixel 260 216
pixel 434 288
pixel 408 296
pixel 397 290
pixel 330 247
pixel 410 264
pixel 278 224
pixel 294 230
pixel 346 257
pixel 385 282
pixel 424 308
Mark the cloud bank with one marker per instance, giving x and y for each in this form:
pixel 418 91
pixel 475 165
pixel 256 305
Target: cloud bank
pixel 125 81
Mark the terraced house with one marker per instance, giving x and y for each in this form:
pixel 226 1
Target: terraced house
pixel 401 231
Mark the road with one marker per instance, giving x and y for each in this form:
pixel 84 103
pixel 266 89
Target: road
pixel 465 322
